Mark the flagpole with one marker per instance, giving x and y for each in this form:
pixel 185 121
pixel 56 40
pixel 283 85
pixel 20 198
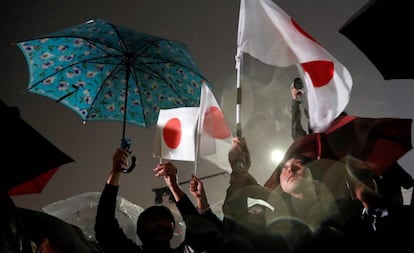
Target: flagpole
pixel 198 133
pixel 239 94
pixel 197 146
pixel 238 100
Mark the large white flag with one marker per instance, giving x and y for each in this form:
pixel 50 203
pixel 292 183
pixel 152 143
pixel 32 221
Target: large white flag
pixel 175 136
pixel 212 124
pixel 267 33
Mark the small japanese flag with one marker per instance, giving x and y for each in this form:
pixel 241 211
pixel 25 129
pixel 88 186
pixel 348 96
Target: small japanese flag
pixel 212 124
pixel 175 136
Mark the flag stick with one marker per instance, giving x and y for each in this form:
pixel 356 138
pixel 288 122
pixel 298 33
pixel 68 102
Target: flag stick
pixel 239 95
pixel 195 165
pixel 201 178
pixel 238 100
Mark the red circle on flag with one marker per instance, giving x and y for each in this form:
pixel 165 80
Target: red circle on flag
pixel 172 133
pixel 215 124
pixel 320 72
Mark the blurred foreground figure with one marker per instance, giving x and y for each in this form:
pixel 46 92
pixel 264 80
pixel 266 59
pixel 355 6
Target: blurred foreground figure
pixel 293 209
pixel 389 184
pixel 381 224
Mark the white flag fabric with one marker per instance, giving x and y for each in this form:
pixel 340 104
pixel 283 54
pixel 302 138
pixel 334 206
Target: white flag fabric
pixel 268 33
pixel 175 136
pixel 327 96
pixel 212 124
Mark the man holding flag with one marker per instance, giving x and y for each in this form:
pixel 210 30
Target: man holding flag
pixel 269 34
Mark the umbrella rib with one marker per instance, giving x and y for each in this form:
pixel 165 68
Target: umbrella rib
pixel 91 41
pixel 113 72
pixel 162 60
pixel 69 66
pixel 130 59
pixel 134 76
pixel 155 74
pixel 120 39
pixel 128 71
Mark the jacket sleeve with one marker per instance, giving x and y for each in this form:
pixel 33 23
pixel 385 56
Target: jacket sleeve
pixel 297 129
pixel 186 207
pixel 107 230
pixel 201 227
pixel 187 210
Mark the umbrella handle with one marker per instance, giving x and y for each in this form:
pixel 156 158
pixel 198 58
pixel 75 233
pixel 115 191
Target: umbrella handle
pixel 132 166
pixel 126 145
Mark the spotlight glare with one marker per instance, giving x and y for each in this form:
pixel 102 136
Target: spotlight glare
pixel 277 156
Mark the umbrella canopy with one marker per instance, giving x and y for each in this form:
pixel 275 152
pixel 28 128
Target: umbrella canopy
pixel 39 225
pixel 29 159
pixel 381 30
pixel 34 185
pixel 80 210
pixel 104 71
pixel 376 142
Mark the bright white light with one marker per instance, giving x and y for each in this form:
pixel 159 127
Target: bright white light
pixel 277 156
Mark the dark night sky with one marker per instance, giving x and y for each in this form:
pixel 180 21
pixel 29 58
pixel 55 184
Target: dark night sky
pixel 209 28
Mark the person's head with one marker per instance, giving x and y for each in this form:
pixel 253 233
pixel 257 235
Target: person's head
pixel 156 224
pixel 54 245
pixel 297 83
pixel 294 177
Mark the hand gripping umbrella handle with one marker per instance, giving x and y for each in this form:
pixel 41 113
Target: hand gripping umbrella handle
pixel 126 145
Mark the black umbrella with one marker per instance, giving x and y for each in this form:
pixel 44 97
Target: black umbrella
pixel 381 30
pixel 39 225
pixel 28 158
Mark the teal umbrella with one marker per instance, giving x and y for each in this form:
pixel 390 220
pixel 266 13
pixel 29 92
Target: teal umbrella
pixel 104 71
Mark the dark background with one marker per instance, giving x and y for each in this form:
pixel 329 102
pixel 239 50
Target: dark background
pixel 209 28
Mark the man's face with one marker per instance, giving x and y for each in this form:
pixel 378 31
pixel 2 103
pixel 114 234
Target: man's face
pixel 294 175
pixel 160 229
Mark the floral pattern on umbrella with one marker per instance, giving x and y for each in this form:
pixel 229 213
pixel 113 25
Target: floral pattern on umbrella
pixel 104 71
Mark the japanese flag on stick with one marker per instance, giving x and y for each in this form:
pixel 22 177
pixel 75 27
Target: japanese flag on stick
pixel 267 33
pixel 212 124
pixel 175 136
pixel 187 133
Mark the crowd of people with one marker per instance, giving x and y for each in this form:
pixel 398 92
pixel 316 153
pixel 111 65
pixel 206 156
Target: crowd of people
pixel 300 213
